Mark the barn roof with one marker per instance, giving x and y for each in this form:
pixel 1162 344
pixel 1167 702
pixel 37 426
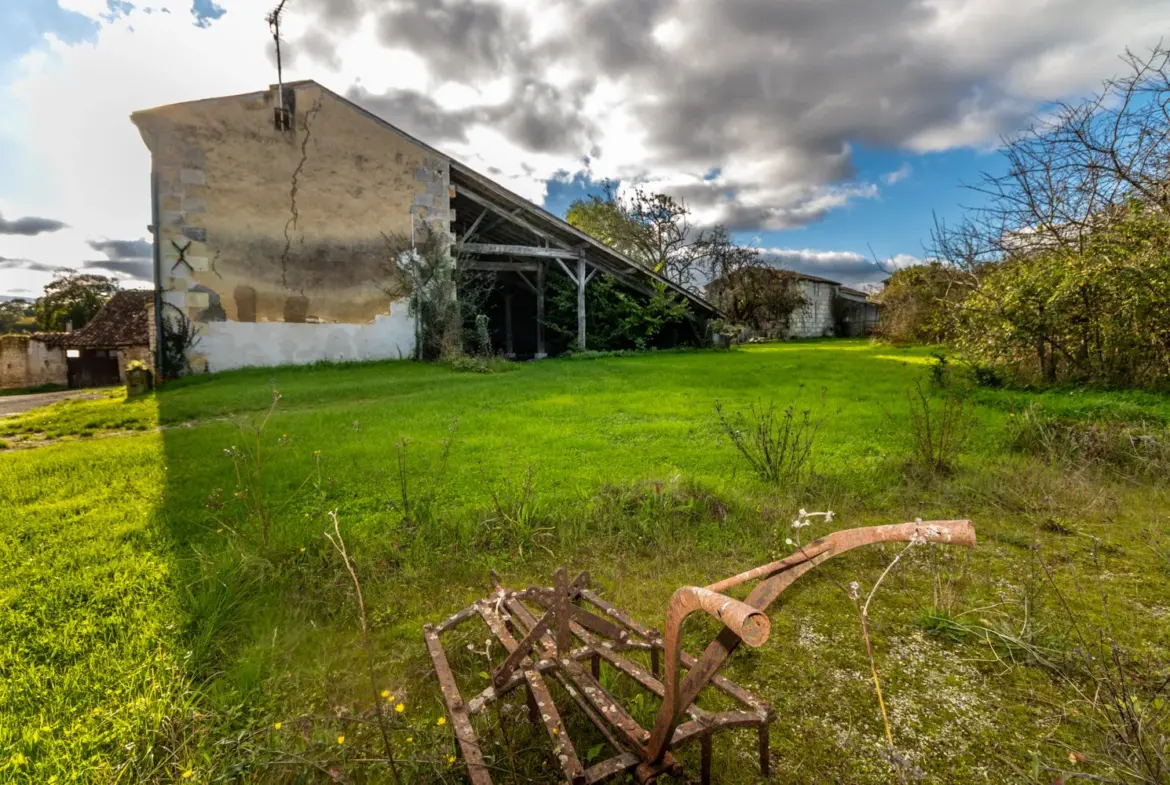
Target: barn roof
pixel 123 321
pixel 519 221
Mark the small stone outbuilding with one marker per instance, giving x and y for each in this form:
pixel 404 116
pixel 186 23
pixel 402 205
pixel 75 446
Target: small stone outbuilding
pixel 121 332
pixel 32 360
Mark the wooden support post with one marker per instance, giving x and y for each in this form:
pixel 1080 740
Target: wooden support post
pixel 541 275
pixel 509 348
pixel 705 760
pixel 581 299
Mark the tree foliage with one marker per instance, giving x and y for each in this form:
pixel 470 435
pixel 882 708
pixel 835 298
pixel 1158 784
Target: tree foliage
pixel 1064 273
pixel 655 231
pixel 617 317
pixel 759 297
pixel 73 297
pixel 17 316
pixel 920 303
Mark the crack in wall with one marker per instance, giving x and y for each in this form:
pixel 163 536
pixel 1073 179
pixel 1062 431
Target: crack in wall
pixel 294 215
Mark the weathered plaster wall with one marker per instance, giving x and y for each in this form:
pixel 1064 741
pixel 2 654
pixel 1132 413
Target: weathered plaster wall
pixel 27 362
pixel 282 231
pixel 815 318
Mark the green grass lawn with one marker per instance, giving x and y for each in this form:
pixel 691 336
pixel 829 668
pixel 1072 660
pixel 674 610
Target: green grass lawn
pixel 146 632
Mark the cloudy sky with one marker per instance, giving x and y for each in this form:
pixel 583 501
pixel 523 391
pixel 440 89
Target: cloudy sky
pixel 817 129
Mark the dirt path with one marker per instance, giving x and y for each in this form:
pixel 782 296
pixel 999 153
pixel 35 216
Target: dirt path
pixel 15 404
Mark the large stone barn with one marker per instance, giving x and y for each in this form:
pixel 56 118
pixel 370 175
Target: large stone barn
pixel 272 217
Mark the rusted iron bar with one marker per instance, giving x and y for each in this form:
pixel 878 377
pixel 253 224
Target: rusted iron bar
pixel 504 672
pixel 749 625
pixel 464 733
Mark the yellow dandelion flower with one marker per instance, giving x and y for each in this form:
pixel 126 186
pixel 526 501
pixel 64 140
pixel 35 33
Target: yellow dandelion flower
pixel 188 774
pixel 302 550
pixel 400 708
pixel 451 759
pixel 410 739
pixel 441 721
pixel 341 740
pixel 276 726
pixel 385 693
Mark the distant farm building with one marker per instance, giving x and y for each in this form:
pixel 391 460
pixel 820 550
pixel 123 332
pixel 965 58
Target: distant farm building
pixel 94 356
pixel 820 308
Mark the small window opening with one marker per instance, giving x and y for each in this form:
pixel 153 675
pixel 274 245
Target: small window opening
pixel 74 353
pixel 286 110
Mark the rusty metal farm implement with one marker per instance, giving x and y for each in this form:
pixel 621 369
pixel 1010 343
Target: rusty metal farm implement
pixel 564 632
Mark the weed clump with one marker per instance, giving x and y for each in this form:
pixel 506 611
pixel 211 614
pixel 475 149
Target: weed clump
pixel 778 445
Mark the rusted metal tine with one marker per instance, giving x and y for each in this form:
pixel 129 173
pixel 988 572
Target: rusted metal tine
pixel 501 675
pixel 592 621
pixel 653 639
pixel 562 746
pixel 730 688
pixel 454 620
pixel 588 710
pixel 601 700
pixel 460 722
pixel 627 621
pixel 608 769
pixel 563 607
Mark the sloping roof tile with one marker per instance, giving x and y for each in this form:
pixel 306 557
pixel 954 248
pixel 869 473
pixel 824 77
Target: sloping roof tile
pixel 123 321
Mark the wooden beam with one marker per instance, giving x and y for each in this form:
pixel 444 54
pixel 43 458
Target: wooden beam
pixel 499 267
pixel 475 225
pixel 568 272
pixel 524 280
pixel 580 298
pixel 509 350
pixel 517 250
pixel 512 215
pixel 541 275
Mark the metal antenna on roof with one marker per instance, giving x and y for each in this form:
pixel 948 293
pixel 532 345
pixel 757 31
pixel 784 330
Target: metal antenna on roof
pixel 274 25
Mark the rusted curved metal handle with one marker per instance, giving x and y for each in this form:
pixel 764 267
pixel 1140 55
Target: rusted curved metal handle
pixel 777 576
pixel 751 625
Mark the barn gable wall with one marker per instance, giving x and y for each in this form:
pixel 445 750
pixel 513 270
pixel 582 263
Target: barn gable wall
pixel 273 241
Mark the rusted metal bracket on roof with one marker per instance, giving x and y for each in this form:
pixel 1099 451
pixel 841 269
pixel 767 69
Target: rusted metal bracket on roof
pixel 575 625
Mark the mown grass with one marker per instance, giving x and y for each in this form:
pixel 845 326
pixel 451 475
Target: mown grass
pixel 146 633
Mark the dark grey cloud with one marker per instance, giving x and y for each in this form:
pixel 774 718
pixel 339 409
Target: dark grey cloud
pixel 138 269
pixel 27 264
pixel 776 96
pixel 125 258
pixel 29 226
pixel 540 118
pixel 847 267
pixel 123 249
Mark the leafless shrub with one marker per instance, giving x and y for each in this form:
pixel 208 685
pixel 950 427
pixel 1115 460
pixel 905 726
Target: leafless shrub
pixel 939 427
pixel 778 446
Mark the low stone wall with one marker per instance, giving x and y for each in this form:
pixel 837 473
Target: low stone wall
pixel 26 361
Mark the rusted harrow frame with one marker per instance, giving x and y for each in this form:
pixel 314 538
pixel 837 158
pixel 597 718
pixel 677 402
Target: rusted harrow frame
pixel 551 632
